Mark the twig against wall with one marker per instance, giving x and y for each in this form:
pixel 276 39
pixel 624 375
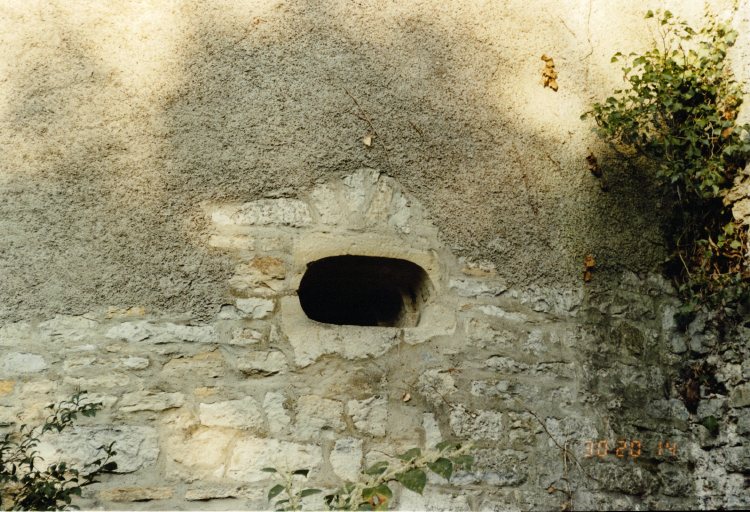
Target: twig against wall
pixel 567 456
pixel 365 116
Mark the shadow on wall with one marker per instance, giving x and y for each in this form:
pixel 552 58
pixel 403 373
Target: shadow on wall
pixel 120 124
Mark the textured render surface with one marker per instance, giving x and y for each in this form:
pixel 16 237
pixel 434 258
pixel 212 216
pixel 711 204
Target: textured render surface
pixel 117 119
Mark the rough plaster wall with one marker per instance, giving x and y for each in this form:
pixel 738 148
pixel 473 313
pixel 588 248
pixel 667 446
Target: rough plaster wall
pixel 118 118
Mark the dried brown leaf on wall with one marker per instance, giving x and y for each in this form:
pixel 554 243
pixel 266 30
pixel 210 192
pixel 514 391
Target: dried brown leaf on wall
pixel 549 74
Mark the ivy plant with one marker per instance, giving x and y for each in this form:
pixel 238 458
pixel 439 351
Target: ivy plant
pixel 372 491
pixel 25 484
pixel 678 113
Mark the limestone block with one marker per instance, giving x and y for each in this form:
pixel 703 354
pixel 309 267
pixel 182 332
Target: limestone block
pixel 739 396
pixel 472 288
pixel 327 203
pixel 741 210
pixel 135 363
pixel 709 407
pixel 675 481
pixel 490 388
pixel 244 336
pixel 631 479
pixel 498 312
pixel 107 401
pixel 234 241
pixel 432 435
pixel 88 347
pixel 244 414
pixel 7 387
pixel 738 458
pixel 476 425
pixel 136 446
pixel 278 418
pixel 743 422
pixel 141 330
pixel 130 494
pixel 36 388
pixel 21 363
pixel 312 340
pixel 435 385
pixel 317 416
pixel 570 427
pixel 202 454
pixel 358 187
pixel 436 321
pixel 205 492
pixel 206 366
pixel 263 364
pixel 369 415
pixel 677 344
pixel 557 301
pixel 69 328
pixel 672 409
pixel 432 500
pixel 265 212
pixel 505 364
pixel 12 334
pixel 8 415
pixel 228 312
pixel 267 268
pixel 263 276
pixel 535 343
pixel 72 364
pixel 147 401
pixel 484 335
pixel 107 380
pixel 346 458
pixel 737 497
pixel 495 467
pixel 256 308
pixel 251 454
pixel 379 208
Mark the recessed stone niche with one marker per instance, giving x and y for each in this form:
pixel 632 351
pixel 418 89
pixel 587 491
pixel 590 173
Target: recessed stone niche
pixel 364 290
pixel 362 267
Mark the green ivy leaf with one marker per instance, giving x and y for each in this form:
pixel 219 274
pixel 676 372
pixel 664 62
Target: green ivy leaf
pixel 712 425
pixel 410 455
pixel 380 490
pixel 303 472
pixel 377 469
pixel 414 480
pixel 442 467
pixel 309 492
pixel 275 491
pixel 269 470
pixel 447 446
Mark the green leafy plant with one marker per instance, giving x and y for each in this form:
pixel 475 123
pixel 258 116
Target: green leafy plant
pixel 24 485
pixel 679 114
pixel 372 490
pixel 286 495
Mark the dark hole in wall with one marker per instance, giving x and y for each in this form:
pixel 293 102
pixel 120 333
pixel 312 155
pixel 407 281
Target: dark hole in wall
pixel 364 290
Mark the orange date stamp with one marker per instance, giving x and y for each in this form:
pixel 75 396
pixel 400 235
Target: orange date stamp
pixel 626 449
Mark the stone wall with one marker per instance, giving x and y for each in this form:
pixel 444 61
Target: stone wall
pixel 169 169
pixel 531 376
